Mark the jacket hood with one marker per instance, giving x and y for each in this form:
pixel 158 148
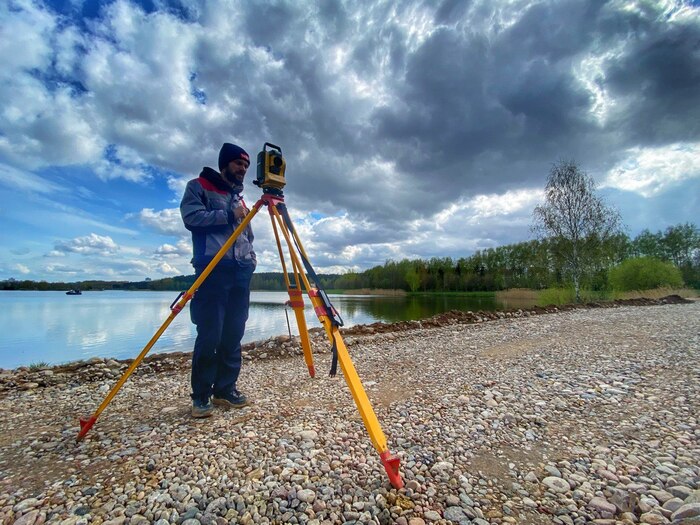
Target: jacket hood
pixel 215 178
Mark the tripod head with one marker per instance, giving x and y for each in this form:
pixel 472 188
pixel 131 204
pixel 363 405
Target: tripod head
pixel 270 173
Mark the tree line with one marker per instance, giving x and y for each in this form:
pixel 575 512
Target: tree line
pixel 532 264
pixel 580 244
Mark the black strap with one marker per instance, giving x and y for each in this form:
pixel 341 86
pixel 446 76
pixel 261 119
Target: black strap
pixel 334 359
pixel 331 312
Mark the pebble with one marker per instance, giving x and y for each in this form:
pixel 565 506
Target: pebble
pixel 587 415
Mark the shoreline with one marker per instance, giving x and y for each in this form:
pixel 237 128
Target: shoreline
pixel 586 415
pixel 283 345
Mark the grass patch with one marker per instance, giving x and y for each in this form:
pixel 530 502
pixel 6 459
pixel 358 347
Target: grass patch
pixel 560 296
pixel 657 293
pixel 38 366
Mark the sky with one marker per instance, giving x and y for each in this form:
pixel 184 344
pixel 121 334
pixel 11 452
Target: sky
pixel 411 129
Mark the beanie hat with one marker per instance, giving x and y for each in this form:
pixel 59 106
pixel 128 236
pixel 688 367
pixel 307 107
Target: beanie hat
pixel 231 152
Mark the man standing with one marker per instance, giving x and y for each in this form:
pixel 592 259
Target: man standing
pixel 211 208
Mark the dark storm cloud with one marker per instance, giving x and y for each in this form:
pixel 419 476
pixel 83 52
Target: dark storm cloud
pixel 466 95
pixel 475 106
pixel 658 81
pixel 413 126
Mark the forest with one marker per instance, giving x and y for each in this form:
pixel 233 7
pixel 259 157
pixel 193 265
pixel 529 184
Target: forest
pixel 534 264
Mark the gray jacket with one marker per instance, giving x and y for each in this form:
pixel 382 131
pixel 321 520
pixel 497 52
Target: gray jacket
pixel 207 211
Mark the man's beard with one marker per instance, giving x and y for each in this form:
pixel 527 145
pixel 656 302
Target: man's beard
pixel 233 178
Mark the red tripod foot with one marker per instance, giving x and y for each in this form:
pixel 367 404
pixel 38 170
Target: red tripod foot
pixel 85 426
pixel 391 465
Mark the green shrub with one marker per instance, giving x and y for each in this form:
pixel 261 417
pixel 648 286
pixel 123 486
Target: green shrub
pixel 644 273
pixel 556 296
pixel 560 296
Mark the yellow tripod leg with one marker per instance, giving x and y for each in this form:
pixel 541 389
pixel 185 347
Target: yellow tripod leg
pixel 86 424
pixel 296 301
pixel 369 418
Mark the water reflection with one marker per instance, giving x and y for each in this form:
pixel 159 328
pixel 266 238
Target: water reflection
pixel 54 328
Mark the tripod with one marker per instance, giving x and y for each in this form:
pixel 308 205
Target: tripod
pixel 274 200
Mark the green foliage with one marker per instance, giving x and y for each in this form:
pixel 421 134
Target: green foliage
pixel 38 366
pixel 644 273
pixel 576 220
pixel 567 295
pixel 556 296
pixel 535 264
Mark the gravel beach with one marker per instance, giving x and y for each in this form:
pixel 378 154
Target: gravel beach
pixel 588 415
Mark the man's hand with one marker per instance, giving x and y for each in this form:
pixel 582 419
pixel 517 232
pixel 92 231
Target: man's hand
pixel 240 212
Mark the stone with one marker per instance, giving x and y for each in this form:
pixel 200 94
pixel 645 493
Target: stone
pixel 557 485
pixel 653 518
pixel 454 514
pixel 306 495
pixel 602 505
pixel 688 510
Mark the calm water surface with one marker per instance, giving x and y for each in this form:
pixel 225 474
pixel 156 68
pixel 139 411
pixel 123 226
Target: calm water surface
pixel 56 328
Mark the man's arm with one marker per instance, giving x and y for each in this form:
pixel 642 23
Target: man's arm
pixel 195 214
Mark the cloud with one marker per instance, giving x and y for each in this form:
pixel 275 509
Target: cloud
pixel 63 269
pixel 21 268
pixel 166 269
pixel 167 222
pixel 21 180
pixel 650 171
pixel 181 249
pixel 89 245
pixel 409 128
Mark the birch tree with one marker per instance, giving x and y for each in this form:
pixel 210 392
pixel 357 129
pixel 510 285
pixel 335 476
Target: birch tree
pixel 575 219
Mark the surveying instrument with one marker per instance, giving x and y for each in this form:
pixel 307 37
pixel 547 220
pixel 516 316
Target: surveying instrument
pixel 270 178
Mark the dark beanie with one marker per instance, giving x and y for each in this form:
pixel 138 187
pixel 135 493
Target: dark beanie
pixel 231 152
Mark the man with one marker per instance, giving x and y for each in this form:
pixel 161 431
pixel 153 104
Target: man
pixel 211 208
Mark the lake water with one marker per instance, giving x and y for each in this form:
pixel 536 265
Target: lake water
pixel 55 328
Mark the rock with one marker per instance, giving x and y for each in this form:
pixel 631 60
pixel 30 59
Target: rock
pixel 602 505
pixel 306 495
pixel 688 510
pixel 30 518
pixel 556 485
pixel 693 497
pixel 653 518
pixel 454 514
pixel 25 504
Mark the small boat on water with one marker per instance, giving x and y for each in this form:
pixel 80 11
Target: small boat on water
pixel 74 292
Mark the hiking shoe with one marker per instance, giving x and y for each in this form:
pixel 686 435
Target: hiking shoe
pixel 235 399
pixel 202 408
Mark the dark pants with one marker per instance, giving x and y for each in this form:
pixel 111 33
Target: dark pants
pixel 219 308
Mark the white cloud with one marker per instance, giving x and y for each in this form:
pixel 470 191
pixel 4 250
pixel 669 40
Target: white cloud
pixel 650 171
pixel 25 181
pixel 88 245
pixel 165 269
pixel 40 125
pixel 181 249
pixel 21 268
pixel 167 221
pixel 61 269
pixel 505 204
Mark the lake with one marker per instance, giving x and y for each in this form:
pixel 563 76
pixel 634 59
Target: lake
pixel 56 328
